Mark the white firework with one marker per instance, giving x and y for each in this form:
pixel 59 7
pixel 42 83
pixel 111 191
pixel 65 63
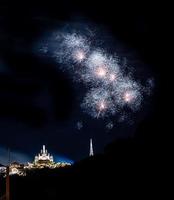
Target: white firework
pixel 128 93
pixel 100 69
pixel 67 49
pixel 109 90
pixel 76 46
pixel 109 125
pixel 129 96
pixel 112 77
pixel 79 125
pixel 74 40
pixel 98 103
pixel 79 55
pixel 96 58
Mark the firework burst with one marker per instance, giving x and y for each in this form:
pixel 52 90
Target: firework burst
pixel 110 91
pixel 98 103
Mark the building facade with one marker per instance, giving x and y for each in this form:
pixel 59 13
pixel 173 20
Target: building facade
pixel 45 160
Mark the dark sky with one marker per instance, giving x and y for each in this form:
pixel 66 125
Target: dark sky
pixel 38 103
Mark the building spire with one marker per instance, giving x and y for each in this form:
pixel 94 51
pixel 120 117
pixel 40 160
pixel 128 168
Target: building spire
pixel 43 149
pixel 91 152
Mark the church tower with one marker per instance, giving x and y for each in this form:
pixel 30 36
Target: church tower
pixel 43 158
pixel 91 152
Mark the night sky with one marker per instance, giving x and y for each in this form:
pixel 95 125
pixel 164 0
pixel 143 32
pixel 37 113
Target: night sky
pixel 39 103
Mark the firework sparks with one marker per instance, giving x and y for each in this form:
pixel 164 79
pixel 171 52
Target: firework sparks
pixel 128 96
pixel 99 68
pixel 79 55
pixel 76 47
pixel 79 125
pixel 98 103
pixel 74 40
pixel 112 77
pixel 109 90
pixel 96 59
pixel 109 126
pixel 100 72
pixel 101 107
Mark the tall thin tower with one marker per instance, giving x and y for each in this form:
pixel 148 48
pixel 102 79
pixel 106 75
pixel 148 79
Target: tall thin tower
pixel 91 152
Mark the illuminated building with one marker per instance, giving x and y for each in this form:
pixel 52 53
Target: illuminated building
pixel 2 169
pixel 45 160
pixel 41 160
pixel 16 168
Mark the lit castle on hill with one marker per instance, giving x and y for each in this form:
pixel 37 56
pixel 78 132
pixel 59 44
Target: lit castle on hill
pixel 44 159
pixel 41 160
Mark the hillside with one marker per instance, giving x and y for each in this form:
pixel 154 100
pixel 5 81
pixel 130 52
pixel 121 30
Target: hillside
pixel 116 172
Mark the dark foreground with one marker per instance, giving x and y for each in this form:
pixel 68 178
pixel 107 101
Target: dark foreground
pixel 126 169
